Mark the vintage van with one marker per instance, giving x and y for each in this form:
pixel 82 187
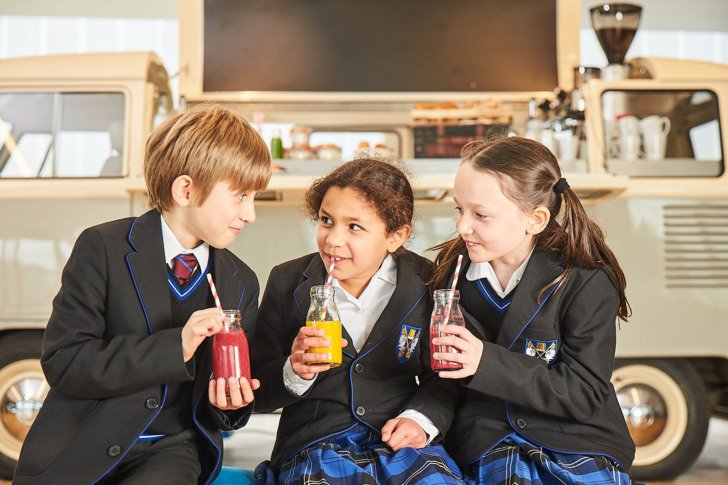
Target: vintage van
pixel 72 133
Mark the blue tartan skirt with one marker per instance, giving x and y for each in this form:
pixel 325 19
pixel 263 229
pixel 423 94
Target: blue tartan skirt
pixel 518 461
pixel 358 456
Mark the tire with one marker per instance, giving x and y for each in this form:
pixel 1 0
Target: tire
pixel 665 404
pixel 22 391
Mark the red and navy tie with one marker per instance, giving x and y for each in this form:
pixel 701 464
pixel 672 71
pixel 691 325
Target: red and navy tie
pixel 183 265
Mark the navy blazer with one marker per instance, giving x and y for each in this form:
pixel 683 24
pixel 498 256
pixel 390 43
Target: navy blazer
pixel 371 386
pixel 108 367
pixel 547 374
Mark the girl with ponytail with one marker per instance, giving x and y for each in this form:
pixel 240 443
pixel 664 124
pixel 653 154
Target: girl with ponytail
pixel 542 293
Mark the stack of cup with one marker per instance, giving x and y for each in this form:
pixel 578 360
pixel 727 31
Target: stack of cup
pixel 628 143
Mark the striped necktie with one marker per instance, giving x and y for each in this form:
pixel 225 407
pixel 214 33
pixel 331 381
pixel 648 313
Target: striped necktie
pixel 183 265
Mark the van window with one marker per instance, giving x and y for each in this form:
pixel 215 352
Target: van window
pixel 61 135
pixel 663 133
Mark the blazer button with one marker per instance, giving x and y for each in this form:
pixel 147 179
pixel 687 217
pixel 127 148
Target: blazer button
pixel 521 423
pixel 359 368
pixel 114 450
pixel 151 403
pixel 360 411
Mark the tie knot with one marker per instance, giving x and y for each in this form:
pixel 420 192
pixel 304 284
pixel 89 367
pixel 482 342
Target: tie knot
pixel 183 265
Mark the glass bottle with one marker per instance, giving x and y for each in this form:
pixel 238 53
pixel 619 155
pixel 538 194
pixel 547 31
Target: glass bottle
pixel 446 312
pixel 230 355
pixel 276 145
pixel 323 314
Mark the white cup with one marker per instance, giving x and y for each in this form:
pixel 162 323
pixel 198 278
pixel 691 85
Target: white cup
pixel 628 146
pixel 654 131
pixel 568 145
pixel 628 124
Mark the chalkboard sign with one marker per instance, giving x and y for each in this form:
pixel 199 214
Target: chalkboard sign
pixel 380 45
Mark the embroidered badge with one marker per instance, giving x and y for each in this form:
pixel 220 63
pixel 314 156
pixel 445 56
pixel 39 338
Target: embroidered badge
pixel 543 349
pixel 408 338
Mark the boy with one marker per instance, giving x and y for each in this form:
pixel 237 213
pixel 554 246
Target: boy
pixel 126 351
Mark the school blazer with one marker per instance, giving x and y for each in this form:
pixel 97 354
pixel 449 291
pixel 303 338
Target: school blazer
pixel 370 387
pixel 547 374
pixel 108 367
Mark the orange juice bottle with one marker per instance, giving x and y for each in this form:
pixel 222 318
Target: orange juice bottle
pixel 323 314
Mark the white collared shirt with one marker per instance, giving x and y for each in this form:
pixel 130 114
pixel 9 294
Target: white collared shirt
pixel 358 316
pixel 478 271
pixel 172 247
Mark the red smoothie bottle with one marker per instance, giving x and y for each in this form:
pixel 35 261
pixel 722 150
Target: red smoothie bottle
pixel 230 355
pixel 447 306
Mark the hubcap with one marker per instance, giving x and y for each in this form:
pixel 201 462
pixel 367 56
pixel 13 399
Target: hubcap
pixel 22 391
pixel 655 410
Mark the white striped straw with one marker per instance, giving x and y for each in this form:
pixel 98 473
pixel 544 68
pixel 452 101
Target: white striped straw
pixel 330 273
pixel 217 299
pixel 448 306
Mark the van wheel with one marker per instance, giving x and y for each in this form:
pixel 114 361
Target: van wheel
pixel 664 403
pixel 22 391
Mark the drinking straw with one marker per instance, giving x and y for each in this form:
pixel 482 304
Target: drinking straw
pixel 330 273
pixel 217 300
pixel 448 305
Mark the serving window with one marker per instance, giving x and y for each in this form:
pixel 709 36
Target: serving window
pixel 61 135
pixel 663 133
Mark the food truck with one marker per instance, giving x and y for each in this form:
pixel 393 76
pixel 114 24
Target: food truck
pixel 73 128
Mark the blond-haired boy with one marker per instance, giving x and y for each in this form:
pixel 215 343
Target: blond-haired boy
pixel 126 351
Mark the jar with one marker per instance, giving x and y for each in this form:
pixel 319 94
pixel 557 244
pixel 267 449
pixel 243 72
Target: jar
pixel 299 136
pixel 328 152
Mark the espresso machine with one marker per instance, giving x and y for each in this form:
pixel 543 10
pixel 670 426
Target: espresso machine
pixel 615 25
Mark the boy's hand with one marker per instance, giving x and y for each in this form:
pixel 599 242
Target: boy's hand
pixel 201 325
pixel 470 347
pixel 401 433
pixel 301 362
pixel 233 394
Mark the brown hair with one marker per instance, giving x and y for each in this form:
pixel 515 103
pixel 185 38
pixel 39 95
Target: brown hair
pixel 209 143
pixel 384 186
pixel 528 172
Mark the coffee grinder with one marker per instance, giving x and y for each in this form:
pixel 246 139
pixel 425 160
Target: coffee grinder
pixel 615 25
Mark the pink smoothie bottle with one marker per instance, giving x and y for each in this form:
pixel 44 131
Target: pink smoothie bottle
pixel 230 356
pixel 446 312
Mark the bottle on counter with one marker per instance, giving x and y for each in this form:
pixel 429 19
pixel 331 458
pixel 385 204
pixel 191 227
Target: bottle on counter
pixel 276 145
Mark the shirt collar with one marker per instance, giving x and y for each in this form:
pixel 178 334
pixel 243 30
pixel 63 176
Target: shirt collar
pixel 478 271
pixel 172 247
pixel 386 274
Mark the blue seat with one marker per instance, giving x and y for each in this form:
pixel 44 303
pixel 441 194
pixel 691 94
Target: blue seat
pixel 234 476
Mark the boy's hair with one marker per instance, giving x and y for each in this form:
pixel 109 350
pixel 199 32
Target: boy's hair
pixel 382 185
pixel 528 172
pixel 209 144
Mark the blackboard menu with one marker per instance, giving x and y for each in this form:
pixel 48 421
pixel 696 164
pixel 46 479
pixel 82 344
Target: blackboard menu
pixel 380 45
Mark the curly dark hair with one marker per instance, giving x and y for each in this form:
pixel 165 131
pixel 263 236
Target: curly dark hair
pixel 384 187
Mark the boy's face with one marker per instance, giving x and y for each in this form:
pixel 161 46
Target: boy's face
pixel 221 217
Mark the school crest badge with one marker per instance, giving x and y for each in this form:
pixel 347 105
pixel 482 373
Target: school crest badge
pixel 542 349
pixel 407 342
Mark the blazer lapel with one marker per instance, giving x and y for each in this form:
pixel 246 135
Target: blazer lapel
pixel 540 271
pixel 148 268
pixel 229 286
pixel 407 294
pixel 315 274
pixel 472 324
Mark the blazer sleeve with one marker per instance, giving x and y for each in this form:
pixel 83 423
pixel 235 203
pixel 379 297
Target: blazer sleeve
pixel 236 419
pixel 274 335
pixel 578 384
pixel 78 361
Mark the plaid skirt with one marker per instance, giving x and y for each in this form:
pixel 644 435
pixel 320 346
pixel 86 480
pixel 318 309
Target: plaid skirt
pixel 517 461
pixel 357 456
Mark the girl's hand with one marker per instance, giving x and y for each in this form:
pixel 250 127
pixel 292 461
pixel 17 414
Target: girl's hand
pixel 400 433
pixel 470 347
pixel 233 394
pixel 301 361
